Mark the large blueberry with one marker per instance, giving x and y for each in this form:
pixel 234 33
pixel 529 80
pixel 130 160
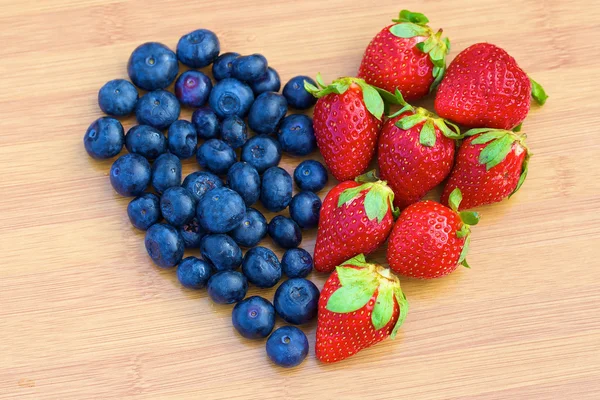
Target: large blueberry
pixel 251 230
pixel 244 179
pixel 130 175
pixel 166 172
pixel 152 66
pixel 266 113
pixel 310 175
pixel 254 317
pixel 182 139
pixel 198 49
pixel 261 267
pixel 206 123
pixel 200 182
pixel 193 273
pixel 285 232
pixel 144 211
pixel 262 152
pixel 221 251
pixel 221 210
pixel 192 88
pixel 158 109
pixel 146 141
pixel 104 138
pixel 297 301
pixel 164 245
pixel 269 82
pixel 276 189
pixel 192 234
pixel 231 97
pixel 305 208
pixel 296 263
pixel 296 135
pixel 287 346
pixel 234 131
pixel 118 97
pixel 223 65
pixel 227 287
pixel 216 156
pixel 249 68
pixel 295 94
pixel 177 206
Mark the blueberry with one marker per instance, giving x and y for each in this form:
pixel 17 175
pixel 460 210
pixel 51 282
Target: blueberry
pixel 231 97
pixel 200 182
pixel 227 287
pixel 249 68
pixel 266 113
pixel 276 189
pixel 144 211
pixel 182 139
pixel 262 152
pixel 192 234
pixel 192 88
pixel 261 267
pixel 310 175
pixel 269 82
pixel 234 131
pixel 198 49
pixel 244 179
pixel 193 273
pixel 216 156
pixel 287 346
pixel 251 230
pixel 145 141
pixel 254 317
pixel 221 210
pixel 158 109
pixel 152 66
pixel 305 208
pixel 296 135
pixel 221 251
pixel 177 206
pixel 206 123
pixel 285 232
pixel 295 94
pixel 164 245
pixel 223 66
pixel 118 97
pixel 104 138
pixel 297 301
pixel 130 175
pixel 166 172
pixel 296 263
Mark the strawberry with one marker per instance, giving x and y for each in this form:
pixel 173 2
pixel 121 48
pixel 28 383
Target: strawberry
pixel 416 152
pixel 361 304
pixel 346 119
pixel 491 165
pixel 406 56
pixel 484 87
pixel 355 218
pixel 430 240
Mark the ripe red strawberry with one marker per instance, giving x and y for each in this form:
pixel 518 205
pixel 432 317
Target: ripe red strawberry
pixel 491 165
pixel 416 153
pixel 406 56
pixel 346 119
pixel 429 240
pixel 484 87
pixel 361 304
pixel 355 218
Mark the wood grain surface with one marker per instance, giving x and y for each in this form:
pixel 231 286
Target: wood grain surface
pixel 85 315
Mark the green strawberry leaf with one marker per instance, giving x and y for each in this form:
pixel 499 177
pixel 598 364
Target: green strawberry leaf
pixel 378 201
pixel 408 30
pixel 350 298
pixel 372 99
pixel 384 306
pixel 465 264
pixel 476 131
pixel 518 128
pixel 438 75
pixel 442 125
pixel 403 304
pixel 495 152
pixel 489 136
pixel 367 177
pixel 339 87
pixel 414 17
pixel 464 231
pixel 427 136
pixel 538 93
pixel 358 261
pixel 524 170
pixel 469 217
pixel 454 199
pixel 410 120
pixel 310 88
pixel 362 276
pixel 465 250
pixel 447 44
pixel 320 81
pixel 350 194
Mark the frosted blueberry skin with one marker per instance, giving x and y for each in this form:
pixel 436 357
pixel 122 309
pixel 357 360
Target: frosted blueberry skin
pixel 231 97
pixel 166 172
pixel 261 267
pixel 223 66
pixel 244 179
pixel 182 139
pixel 222 252
pixel 201 182
pixel 152 66
pixel 227 287
pixel 146 141
pixel 164 245
pixel 296 135
pixel 198 49
pixel 104 138
pixel 118 97
pixel 193 273
pixel 251 230
pixel 297 263
pixel 295 94
pixel 262 152
pixel 305 208
pixel 216 156
pixel 269 82
pixel 310 175
pixel 285 232
pixel 296 301
pixel 206 123
pixel 249 68
pixel 234 131
pixel 177 206
pixel 130 175
pixel 266 113
pixel 192 234
pixel 276 189
pixel 253 317
pixel 192 88
pixel 144 211
pixel 287 347
pixel 220 210
pixel 158 109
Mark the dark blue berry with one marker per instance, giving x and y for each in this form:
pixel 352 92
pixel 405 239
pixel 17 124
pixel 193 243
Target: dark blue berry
pixel 223 66
pixel 244 179
pixel 287 346
pixel 146 141
pixel 266 113
pixel 295 94
pixel 104 138
pixel 130 175
pixel 182 139
pixel 296 135
pixel 177 206
pixel 193 273
pixel 221 210
pixel 305 208
pixel 249 68
pixel 276 189
pixel 234 131
pixel 152 66
pixel 164 245
pixel 296 263
pixel 285 232
pixel 221 251
pixel 254 317
pixel 262 152
pixel 269 82
pixel 297 301
pixel 261 267
pixel 192 234
pixel 192 88
pixel 166 172
pixel 198 49
pixel 118 97
pixel 206 123
pixel 251 230
pixel 231 97
pixel 227 287
pixel 310 175
pixel 201 182
pixel 144 211
pixel 216 156
pixel 158 109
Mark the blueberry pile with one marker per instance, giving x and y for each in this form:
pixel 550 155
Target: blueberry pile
pixel 237 133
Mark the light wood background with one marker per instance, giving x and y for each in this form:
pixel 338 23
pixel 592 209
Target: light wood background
pixel 85 315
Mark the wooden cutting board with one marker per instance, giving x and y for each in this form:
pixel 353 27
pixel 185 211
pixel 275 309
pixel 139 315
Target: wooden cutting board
pixel 85 315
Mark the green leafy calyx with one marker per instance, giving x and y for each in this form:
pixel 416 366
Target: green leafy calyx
pixel 538 93
pixel 378 200
pixel 498 144
pixel 429 121
pixel 468 218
